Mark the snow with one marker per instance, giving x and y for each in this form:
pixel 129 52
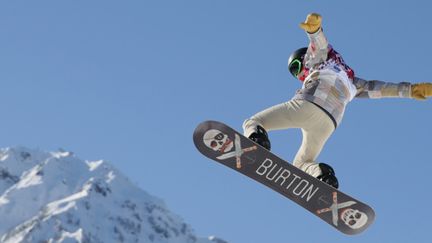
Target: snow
pixel 30 178
pixel 57 197
pixel 75 235
pixel 110 177
pixel 64 204
pixel 93 165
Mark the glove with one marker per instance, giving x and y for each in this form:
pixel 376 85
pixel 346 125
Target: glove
pixel 312 23
pixel 421 91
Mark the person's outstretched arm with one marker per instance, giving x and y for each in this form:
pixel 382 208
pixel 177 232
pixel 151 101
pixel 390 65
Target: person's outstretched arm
pixel 375 89
pixel 318 46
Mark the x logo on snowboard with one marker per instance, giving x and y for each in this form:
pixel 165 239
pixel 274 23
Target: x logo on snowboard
pixel 238 152
pixel 334 208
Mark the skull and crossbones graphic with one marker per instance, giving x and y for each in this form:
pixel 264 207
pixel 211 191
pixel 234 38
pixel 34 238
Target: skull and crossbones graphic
pixel 353 218
pixel 217 141
pixel 220 142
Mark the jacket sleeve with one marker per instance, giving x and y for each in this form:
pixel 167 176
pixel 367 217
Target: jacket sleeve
pixel 317 49
pixel 375 89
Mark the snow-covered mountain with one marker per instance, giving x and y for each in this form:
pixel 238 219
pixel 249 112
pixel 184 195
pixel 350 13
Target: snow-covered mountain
pixel 56 197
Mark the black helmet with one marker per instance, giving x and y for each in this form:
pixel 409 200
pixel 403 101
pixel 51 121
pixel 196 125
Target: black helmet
pixel 295 61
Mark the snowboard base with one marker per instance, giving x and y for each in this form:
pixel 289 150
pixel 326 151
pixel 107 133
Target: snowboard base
pixel 224 145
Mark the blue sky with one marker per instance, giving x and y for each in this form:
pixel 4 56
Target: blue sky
pixel 128 81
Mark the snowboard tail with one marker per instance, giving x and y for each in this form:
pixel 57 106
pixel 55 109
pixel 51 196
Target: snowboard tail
pixel 223 144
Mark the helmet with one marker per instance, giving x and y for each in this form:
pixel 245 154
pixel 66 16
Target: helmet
pixel 295 61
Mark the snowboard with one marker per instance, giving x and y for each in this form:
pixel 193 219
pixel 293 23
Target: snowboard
pixel 223 144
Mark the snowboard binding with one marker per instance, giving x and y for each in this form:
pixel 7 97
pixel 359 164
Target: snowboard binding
pixel 328 175
pixel 261 137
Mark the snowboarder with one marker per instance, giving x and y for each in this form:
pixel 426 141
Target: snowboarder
pixel 329 84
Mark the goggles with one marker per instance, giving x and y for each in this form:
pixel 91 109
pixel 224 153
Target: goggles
pixel 295 67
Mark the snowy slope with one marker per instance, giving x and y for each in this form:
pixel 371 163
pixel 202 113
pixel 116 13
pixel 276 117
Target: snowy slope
pixel 56 197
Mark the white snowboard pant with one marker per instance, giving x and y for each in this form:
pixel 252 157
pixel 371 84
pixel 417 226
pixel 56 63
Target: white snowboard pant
pixel 315 124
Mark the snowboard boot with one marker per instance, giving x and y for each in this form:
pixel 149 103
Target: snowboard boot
pixel 328 175
pixel 260 137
